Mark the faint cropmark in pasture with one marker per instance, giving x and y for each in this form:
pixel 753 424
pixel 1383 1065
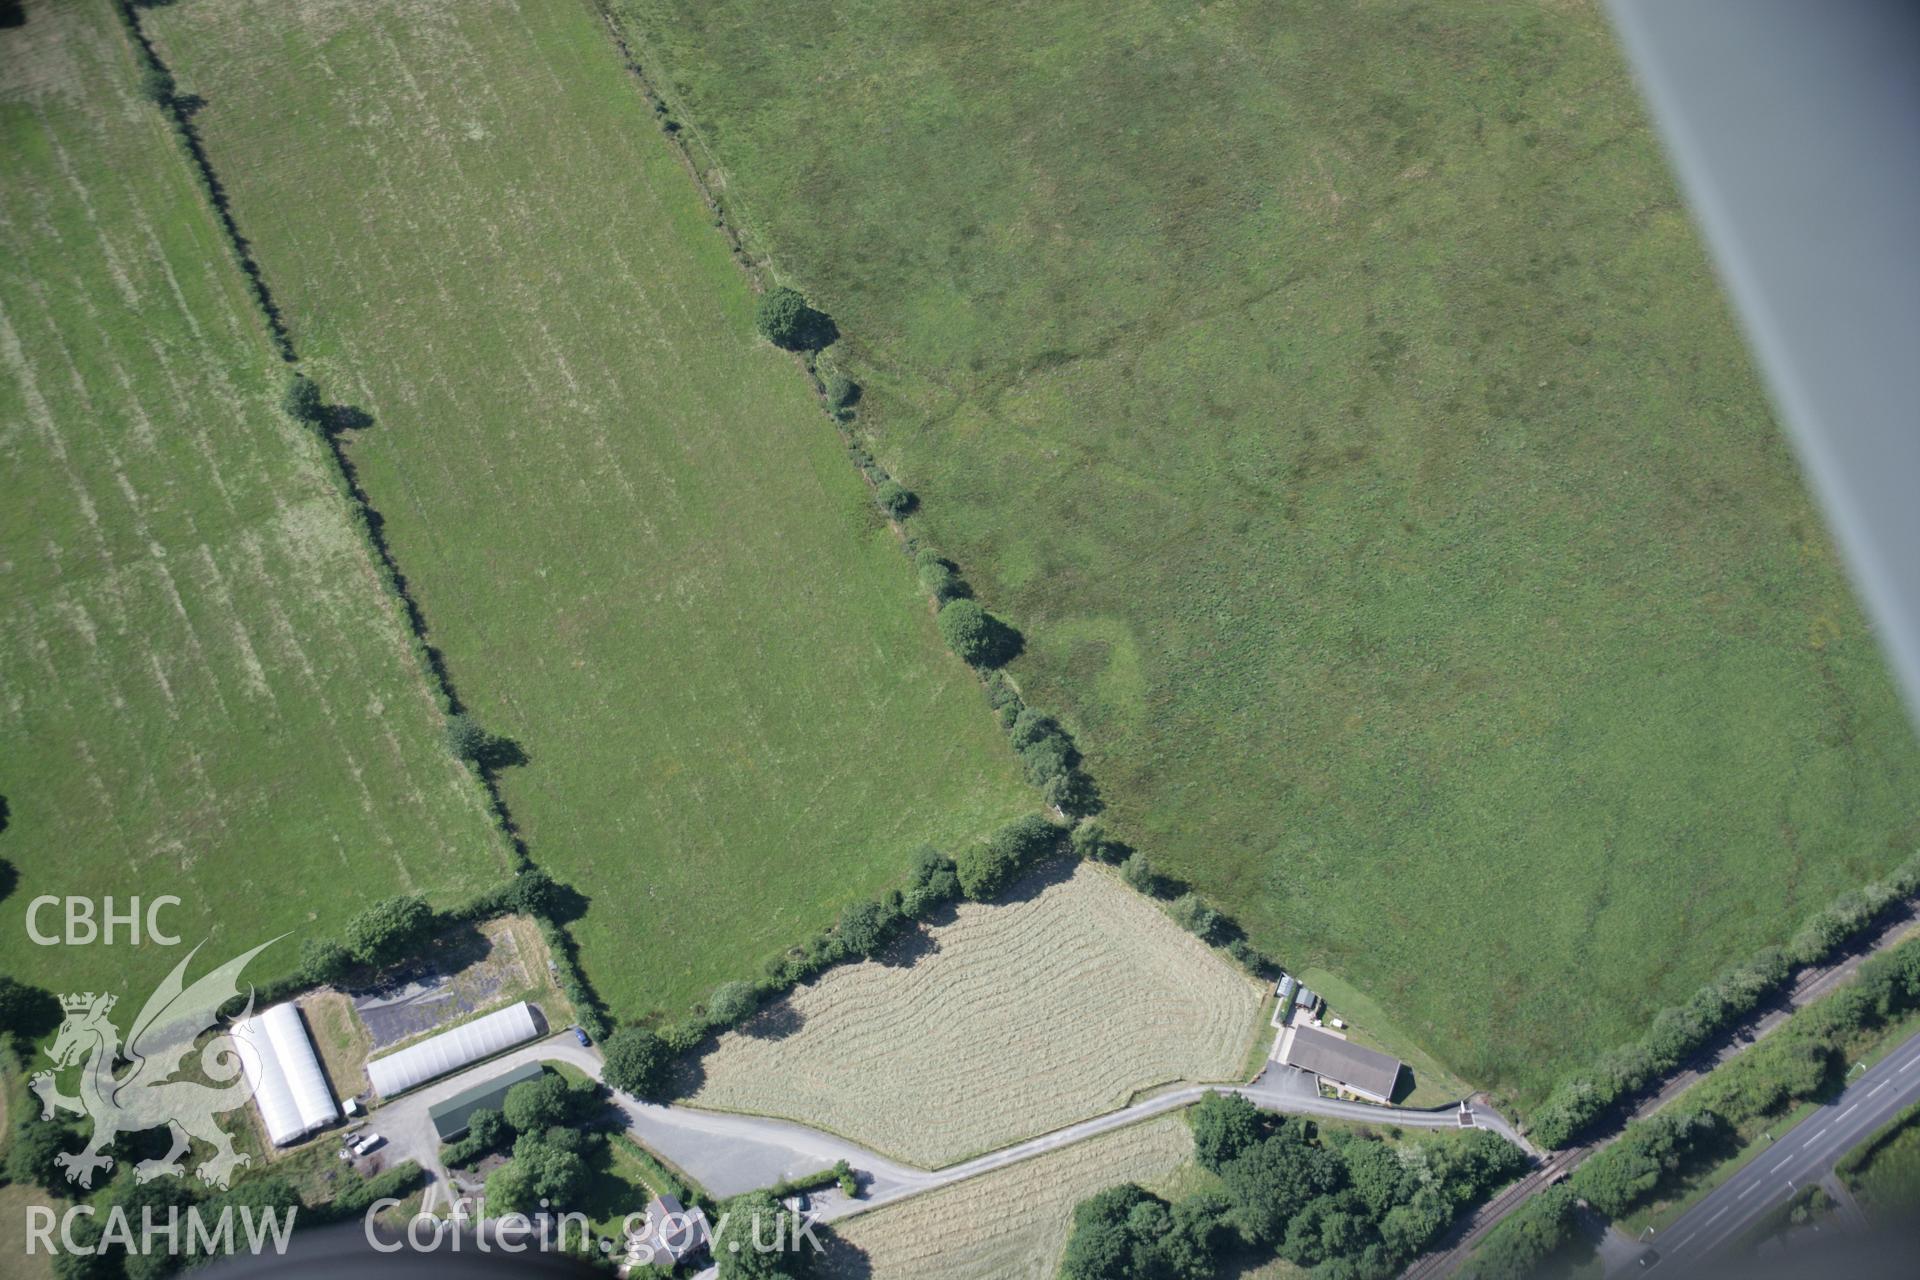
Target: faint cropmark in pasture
pixel 146 1092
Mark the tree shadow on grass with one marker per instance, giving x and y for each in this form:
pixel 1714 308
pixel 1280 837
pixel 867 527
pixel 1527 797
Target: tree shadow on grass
pixel 567 903
pixel 338 418
pixel 1047 874
pixel 777 1021
pixel 841 1258
pixel 908 947
pixel 1004 643
pixel 499 753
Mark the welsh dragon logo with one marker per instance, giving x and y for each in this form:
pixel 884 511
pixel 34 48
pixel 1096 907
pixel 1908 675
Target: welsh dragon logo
pixel 132 1088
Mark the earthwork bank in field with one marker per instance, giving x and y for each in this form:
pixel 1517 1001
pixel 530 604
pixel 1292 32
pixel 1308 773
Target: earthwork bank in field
pixel 1339 399
pixel 636 539
pixel 1007 1021
pixel 205 690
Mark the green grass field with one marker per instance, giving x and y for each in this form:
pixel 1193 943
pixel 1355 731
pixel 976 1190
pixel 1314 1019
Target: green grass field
pixel 1339 398
pixel 636 538
pixel 205 690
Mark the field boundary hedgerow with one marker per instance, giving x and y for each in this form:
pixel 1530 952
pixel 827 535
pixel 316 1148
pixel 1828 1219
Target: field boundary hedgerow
pixel 179 113
pixel 1052 759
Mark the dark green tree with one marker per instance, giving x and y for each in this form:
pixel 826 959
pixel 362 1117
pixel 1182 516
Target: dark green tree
pixel 1514 1249
pixel 35 1143
pixel 533 893
pixel 1377 1174
pixel 985 869
pixel 980 639
pixel 465 738
pixel 302 401
pixel 1224 1126
pixel 1275 1178
pixel 895 498
pixel 389 930
pixel 940 581
pixel 1139 873
pixel 1072 793
pixel 26 1012
pixel 731 1002
pixel 324 961
pixel 156 84
pixel 863 927
pixel 636 1061
pixel 760 1239
pixel 931 881
pixel 784 319
pixel 534 1106
pixel 1114 1236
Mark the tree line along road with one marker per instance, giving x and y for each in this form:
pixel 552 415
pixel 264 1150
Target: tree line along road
pixel 1809 985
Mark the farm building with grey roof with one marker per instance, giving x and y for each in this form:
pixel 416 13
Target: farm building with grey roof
pixel 1340 1062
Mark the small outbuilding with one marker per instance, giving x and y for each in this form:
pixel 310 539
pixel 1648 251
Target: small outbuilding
pixel 1340 1062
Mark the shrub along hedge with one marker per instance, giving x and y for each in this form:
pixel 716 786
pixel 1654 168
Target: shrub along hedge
pixel 1805 1056
pixel 1534 1232
pixel 1678 1033
pixel 1632 1169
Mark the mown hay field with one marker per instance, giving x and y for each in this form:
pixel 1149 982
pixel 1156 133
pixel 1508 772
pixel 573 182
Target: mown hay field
pixel 636 538
pixel 1007 1021
pixel 1338 397
pixel 205 689
pixel 1013 1222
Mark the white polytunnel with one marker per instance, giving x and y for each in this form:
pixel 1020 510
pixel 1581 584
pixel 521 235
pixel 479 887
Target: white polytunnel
pixel 451 1050
pixel 288 1086
pixel 305 1080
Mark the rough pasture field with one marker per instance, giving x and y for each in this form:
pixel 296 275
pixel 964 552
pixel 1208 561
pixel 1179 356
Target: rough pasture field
pixel 635 536
pixel 1339 399
pixel 205 690
pixel 1007 1021
pixel 1013 1222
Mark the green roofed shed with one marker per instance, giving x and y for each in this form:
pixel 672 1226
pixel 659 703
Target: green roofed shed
pixel 450 1117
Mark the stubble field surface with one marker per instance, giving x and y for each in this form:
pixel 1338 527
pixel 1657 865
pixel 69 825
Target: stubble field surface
pixel 1338 397
pixel 1012 1223
pixel 1006 1021
pixel 205 690
pixel 636 538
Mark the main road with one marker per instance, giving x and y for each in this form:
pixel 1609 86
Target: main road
pixel 1801 1157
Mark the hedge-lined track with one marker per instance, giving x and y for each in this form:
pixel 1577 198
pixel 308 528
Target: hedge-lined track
pixel 1007 1021
pixel 1012 1223
pixel 640 548
pixel 208 691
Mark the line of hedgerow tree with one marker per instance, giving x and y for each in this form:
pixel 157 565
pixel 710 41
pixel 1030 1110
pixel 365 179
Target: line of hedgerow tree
pixel 1345 1203
pixel 1678 1033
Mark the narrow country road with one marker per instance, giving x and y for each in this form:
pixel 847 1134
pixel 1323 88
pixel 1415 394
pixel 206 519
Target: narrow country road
pixel 1801 1157
pixel 729 1153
